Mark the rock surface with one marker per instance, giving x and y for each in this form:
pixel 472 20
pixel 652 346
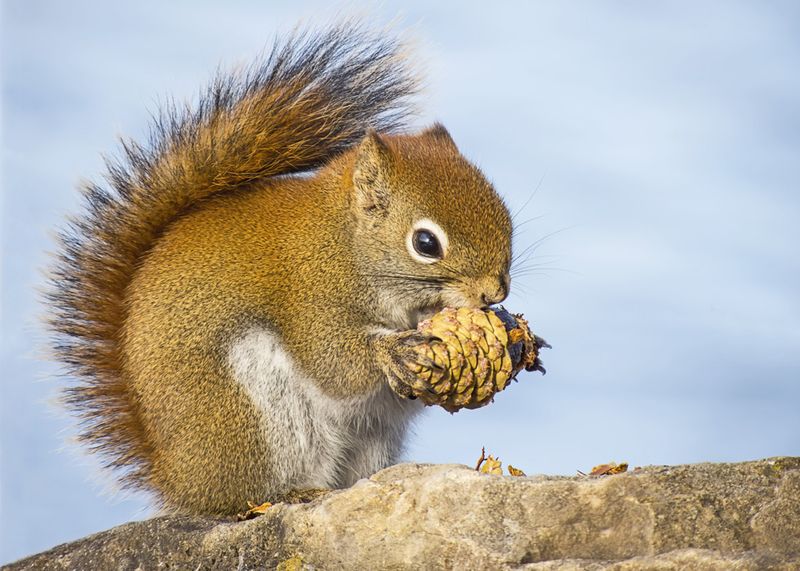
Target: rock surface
pixel 410 516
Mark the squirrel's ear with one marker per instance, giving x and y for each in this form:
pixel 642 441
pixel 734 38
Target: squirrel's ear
pixel 440 134
pixel 369 175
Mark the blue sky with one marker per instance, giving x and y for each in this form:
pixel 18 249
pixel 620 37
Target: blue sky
pixel 661 142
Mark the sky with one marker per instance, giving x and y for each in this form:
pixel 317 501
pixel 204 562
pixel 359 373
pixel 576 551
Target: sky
pixel 652 150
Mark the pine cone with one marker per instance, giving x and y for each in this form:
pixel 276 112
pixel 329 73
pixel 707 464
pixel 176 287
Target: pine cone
pixel 477 353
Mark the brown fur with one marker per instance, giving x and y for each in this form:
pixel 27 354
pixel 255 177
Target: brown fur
pixel 201 242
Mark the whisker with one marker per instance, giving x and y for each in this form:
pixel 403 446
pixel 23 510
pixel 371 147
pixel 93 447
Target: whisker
pixel 516 228
pixel 537 243
pixel 533 194
pixel 454 275
pixel 517 288
pixel 534 262
pixel 542 270
pixel 433 281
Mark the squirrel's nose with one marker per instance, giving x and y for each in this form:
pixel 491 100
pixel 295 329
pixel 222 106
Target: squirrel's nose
pixel 496 294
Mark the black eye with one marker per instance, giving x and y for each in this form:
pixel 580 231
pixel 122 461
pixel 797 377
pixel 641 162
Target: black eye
pixel 427 244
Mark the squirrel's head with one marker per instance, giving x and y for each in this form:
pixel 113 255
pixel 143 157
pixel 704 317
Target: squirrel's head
pixel 430 229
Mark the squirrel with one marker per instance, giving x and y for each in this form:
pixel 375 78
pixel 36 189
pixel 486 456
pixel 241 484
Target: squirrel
pixel 236 307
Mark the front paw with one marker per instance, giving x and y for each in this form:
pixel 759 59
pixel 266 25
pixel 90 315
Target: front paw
pixel 408 360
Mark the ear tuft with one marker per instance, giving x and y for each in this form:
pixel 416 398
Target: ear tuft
pixel 373 159
pixel 437 132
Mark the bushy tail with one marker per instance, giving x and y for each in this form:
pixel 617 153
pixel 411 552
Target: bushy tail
pixel 314 97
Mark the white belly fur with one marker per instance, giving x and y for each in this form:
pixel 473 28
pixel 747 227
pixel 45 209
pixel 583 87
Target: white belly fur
pixel 317 441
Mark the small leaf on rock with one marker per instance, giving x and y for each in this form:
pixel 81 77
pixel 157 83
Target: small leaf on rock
pixel 609 469
pixel 254 511
pixel 492 466
pixel 515 471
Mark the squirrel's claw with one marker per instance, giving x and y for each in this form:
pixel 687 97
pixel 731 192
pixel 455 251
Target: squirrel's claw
pixel 398 357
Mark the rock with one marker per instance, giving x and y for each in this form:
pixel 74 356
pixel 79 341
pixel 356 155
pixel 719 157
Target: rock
pixel 411 516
